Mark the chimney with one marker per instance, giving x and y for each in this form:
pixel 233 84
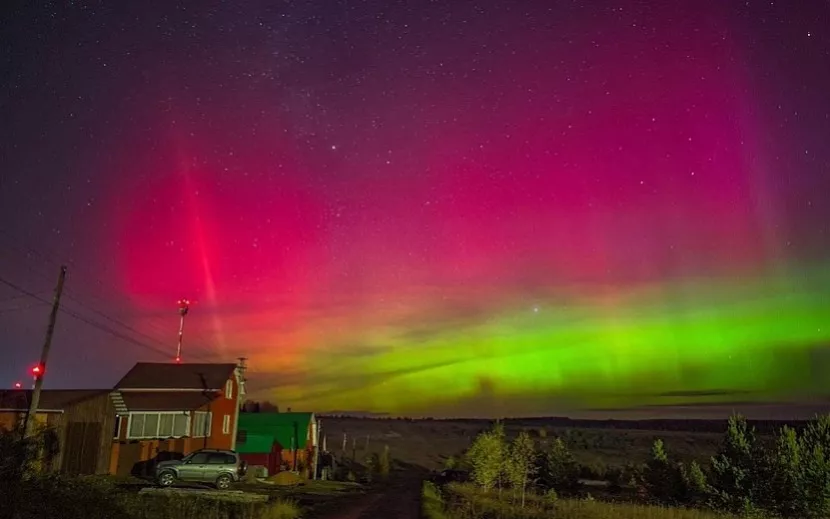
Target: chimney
pixel 241 368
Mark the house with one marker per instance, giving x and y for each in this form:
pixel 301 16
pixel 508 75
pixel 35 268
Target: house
pixel 279 441
pixel 80 421
pixel 166 410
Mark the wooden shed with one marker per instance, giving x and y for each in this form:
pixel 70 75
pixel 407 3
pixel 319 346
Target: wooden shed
pixel 82 421
pixel 260 449
pixel 294 433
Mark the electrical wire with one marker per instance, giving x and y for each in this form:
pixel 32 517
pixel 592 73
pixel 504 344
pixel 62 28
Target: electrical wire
pixel 96 325
pixel 154 324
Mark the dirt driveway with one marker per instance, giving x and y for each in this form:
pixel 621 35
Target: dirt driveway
pixel 400 499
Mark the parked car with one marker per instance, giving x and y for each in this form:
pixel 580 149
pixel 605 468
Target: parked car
pixel 219 467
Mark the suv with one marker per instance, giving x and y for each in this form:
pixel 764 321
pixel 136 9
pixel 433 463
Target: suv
pixel 219 467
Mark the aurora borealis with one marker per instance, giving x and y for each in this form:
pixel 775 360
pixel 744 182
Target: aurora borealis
pixel 456 208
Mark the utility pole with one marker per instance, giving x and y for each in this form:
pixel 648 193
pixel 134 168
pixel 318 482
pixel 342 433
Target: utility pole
pixel 40 369
pixel 316 448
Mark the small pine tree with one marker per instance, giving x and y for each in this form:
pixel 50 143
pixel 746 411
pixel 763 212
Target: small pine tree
pixel 696 486
pixel 663 479
pixel 558 470
pixel 785 494
pixel 733 469
pixel 803 471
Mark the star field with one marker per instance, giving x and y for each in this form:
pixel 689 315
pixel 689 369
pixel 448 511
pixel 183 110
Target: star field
pixel 471 207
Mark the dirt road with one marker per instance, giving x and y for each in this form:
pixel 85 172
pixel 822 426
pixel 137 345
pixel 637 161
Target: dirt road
pixel 400 499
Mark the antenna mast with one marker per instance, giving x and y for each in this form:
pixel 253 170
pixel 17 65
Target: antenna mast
pixel 184 307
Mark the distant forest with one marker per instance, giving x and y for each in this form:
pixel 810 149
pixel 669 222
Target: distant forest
pixel 654 424
pixel 673 424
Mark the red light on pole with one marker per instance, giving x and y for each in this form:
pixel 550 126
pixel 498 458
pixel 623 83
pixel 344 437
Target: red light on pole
pixel 18 385
pixel 38 370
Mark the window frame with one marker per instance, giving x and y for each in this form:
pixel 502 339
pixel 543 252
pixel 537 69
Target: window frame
pixel 158 414
pixel 226 424
pixel 229 389
pixel 117 431
pixel 209 419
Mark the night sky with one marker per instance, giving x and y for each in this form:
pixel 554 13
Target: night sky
pixel 455 207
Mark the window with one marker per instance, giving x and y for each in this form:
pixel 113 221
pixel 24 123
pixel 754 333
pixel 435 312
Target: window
pixel 201 424
pixel 166 425
pixel 116 433
pixel 157 425
pixel 226 424
pixel 219 458
pixel 229 389
pixel 136 426
pixel 180 425
pixel 199 458
pixel 151 424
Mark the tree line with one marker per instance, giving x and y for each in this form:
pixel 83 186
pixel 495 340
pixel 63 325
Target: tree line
pixel 787 478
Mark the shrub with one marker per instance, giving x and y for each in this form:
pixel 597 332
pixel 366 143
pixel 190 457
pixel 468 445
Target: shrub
pixel 558 470
pixel 469 501
pixel 280 509
pixel 486 456
pixel 432 502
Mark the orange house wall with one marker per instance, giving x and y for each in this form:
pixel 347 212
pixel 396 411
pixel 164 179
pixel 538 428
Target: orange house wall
pixel 220 407
pixel 217 439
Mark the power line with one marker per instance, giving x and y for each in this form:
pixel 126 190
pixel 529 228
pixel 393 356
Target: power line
pixel 29 251
pixel 94 324
pixel 20 308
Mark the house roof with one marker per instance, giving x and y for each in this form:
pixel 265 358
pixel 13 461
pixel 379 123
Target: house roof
pixel 165 400
pixel 255 444
pixel 50 399
pixel 167 375
pixel 288 429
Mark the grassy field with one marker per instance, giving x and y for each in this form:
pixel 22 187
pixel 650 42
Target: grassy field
pixel 460 501
pixel 428 443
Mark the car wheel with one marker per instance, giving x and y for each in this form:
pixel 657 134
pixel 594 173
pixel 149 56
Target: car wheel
pixel 166 478
pixel 223 482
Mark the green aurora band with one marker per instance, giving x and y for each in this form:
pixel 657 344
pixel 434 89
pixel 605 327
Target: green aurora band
pixel 749 338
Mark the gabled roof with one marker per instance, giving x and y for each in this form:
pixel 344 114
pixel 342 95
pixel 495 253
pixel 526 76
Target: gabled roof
pixel 50 399
pixel 166 400
pixel 255 444
pixel 167 375
pixel 288 429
